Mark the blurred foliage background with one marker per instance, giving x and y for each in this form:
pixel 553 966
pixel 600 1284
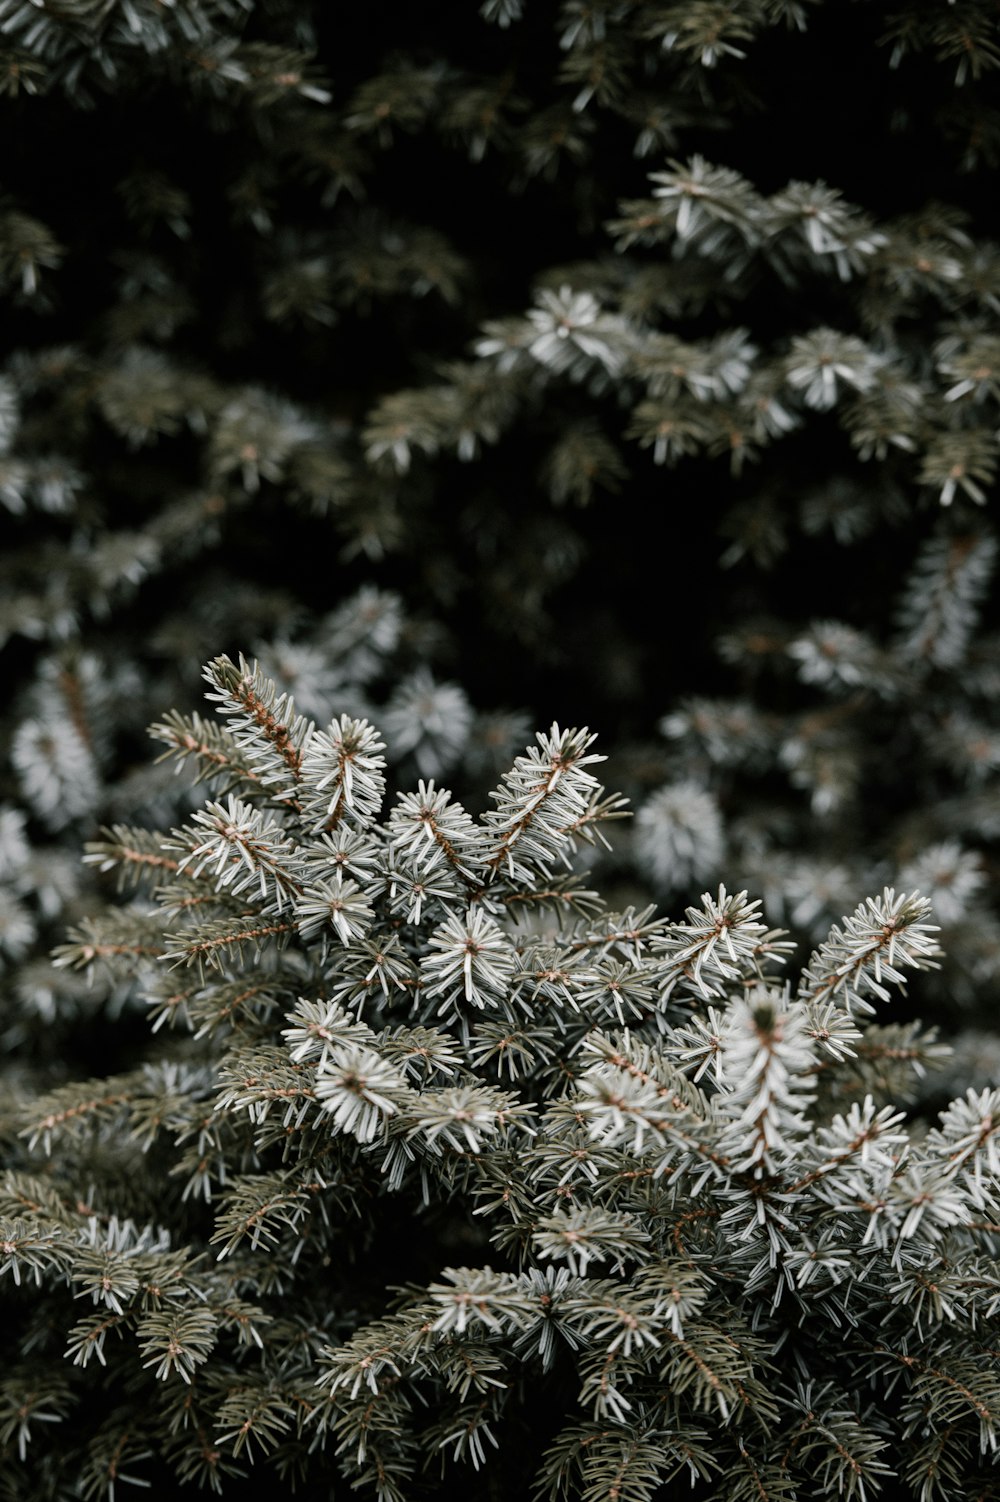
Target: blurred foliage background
pixel 629 364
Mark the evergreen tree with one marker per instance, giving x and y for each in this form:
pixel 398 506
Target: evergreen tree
pixel 461 315
pixel 654 1210
pixel 384 345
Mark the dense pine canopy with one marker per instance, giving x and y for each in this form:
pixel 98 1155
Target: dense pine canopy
pixel 436 375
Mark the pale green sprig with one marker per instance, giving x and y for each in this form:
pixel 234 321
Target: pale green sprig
pixel 884 937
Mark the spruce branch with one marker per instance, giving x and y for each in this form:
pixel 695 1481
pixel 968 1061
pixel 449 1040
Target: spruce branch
pixel 682 1168
pixel 883 935
pixel 259 714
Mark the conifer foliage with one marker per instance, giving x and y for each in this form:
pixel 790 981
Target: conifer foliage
pixel 440 1167
pixel 624 362
pixel 468 309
